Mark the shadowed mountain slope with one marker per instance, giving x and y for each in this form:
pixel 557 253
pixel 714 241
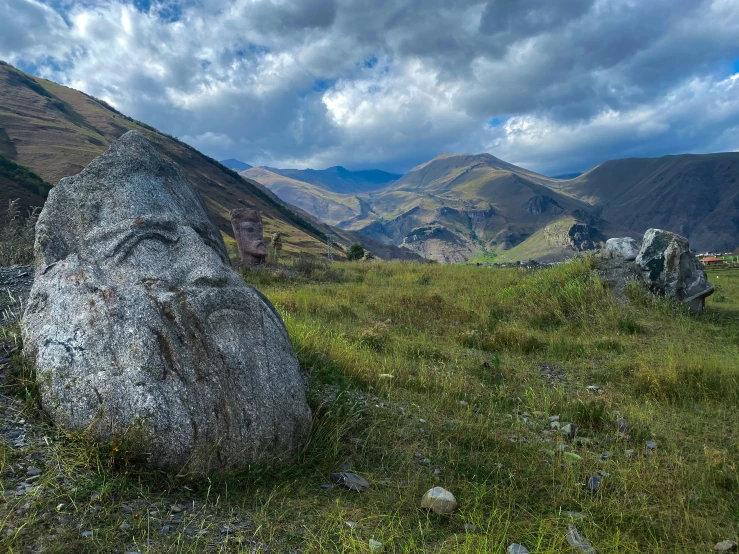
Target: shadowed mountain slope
pixel 695 195
pixel 236 165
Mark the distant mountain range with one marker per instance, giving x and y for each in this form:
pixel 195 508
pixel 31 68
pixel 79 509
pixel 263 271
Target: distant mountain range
pixel 452 208
pixel 478 207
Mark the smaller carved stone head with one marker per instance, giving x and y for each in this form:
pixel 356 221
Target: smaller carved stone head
pixel 247 226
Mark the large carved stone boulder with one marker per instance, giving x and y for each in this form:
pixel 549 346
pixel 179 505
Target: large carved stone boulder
pixel 249 234
pixel 138 325
pixel 624 247
pixel 669 267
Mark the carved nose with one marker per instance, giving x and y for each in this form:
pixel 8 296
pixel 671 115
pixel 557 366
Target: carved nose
pixel 203 265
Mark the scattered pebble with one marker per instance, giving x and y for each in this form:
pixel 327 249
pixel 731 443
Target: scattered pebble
pixel 569 430
pixel 439 500
pixel 327 486
pixel 578 542
pixel 376 546
pixel 651 445
pixel 124 527
pixel 553 418
pixel 726 546
pixel 470 528
pixel 593 483
pixel 622 425
pixel 631 454
pixel 165 529
pixel 33 471
pixel 86 534
pixel 350 481
pixel 594 388
pixel 351 524
pixel 516 548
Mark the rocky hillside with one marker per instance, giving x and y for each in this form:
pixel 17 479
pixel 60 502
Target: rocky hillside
pixel 48 131
pixel 461 207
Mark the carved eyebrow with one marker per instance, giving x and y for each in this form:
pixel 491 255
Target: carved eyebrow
pixel 118 241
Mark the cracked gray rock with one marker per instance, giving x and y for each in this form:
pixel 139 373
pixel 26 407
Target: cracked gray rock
pixel 670 268
pixel 139 327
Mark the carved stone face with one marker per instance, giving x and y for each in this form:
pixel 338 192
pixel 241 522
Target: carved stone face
pixel 136 320
pixel 248 231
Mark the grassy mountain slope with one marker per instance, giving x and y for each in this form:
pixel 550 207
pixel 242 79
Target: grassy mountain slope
pixel 330 207
pixel 56 131
pixel 457 207
pixel 691 194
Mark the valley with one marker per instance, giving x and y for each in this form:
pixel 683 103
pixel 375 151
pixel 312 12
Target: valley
pixel 458 208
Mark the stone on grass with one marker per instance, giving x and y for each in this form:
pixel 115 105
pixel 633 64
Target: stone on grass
pixel 726 546
pixel 671 269
pixel 140 329
pixel 622 425
pixel 624 247
pixel 593 483
pixel 578 542
pixel 350 481
pixel 516 548
pixel 569 430
pixel 439 500
pixel 651 445
pixel 376 546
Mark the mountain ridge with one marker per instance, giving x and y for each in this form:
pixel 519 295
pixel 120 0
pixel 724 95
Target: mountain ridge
pixel 468 206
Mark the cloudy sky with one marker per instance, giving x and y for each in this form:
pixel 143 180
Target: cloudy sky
pixel 552 85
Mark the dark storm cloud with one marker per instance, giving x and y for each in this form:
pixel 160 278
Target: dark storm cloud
pixel 392 83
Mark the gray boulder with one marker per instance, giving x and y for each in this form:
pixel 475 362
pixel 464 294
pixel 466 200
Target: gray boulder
pixel 139 327
pixel 625 247
pixel 670 268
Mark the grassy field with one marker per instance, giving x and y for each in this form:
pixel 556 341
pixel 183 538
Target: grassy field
pixel 426 375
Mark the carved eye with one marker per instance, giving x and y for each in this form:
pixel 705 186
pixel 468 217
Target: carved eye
pixel 155 241
pixel 250 229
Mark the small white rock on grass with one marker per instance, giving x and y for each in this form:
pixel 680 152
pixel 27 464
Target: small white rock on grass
pixel 439 500
pixel 578 542
pixel 726 546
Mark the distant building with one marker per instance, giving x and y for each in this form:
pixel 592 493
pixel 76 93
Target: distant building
pixel 712 260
